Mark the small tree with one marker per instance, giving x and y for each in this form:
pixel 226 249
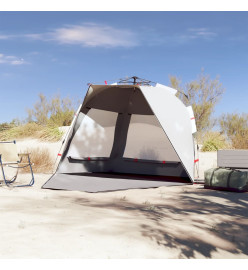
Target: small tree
pixel 40 112
pixel 62 111
pixel 55 111
pixel 235 127
pixel 203 95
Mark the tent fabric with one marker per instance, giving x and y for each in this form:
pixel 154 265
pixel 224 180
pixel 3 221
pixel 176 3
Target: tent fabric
pixel 142 130
pixel 147 140
pixel 105 182
pixel 175 120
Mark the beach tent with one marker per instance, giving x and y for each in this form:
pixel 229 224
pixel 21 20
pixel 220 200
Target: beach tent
pixel 127 136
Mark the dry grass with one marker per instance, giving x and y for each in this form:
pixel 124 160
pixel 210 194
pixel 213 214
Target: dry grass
pixel 43 162
pixel 31 130
pixel 235 126
pixel 240 141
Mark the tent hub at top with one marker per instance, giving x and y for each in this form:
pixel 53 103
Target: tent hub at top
pixel 134 80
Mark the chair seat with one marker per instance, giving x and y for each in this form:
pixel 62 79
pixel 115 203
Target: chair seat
pixel 10 163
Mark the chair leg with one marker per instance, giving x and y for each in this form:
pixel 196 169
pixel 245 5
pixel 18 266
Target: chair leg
pixel 13 179
pixel 8 182
pixel 3 172
pixel 4 177
pixel 32 174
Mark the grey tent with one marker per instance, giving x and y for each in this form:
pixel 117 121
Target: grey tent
pixel 127 136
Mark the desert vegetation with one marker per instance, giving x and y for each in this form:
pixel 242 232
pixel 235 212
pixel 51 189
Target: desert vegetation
pixel 41 159
pixel 230 130
pixel 43 120
pixel 235 127
pixel 212 141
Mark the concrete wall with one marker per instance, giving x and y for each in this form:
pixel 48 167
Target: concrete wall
pixel 207 160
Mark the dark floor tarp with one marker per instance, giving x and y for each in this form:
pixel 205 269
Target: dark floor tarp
pixel 96 182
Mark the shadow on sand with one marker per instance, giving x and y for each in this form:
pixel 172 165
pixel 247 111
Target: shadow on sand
pixel 189 221
pixel 192 222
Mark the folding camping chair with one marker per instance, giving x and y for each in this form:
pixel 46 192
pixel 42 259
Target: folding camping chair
pixel 9 157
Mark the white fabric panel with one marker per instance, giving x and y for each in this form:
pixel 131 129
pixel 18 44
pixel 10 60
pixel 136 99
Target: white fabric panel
pixel 192 119
pixel 174 119
pixel 146 140
pixel 169 89
pixel 95 136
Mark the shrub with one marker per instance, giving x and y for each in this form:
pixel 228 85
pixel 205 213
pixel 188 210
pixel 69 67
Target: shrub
pixel 240 140
pixel 214 141
pixel 31 130
pixel 235 127
pixel 55 111
pixel 43 162
pixel 43 120
pixel 5 126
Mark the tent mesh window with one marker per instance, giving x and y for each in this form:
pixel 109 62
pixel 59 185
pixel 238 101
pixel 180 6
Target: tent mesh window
pixel 95 136
pixel 146 140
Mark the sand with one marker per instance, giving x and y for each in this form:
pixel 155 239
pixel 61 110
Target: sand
pixel 166 222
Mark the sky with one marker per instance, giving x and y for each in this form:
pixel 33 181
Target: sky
pixel 61 52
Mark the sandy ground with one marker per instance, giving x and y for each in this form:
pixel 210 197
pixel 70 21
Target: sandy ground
pixel 165 222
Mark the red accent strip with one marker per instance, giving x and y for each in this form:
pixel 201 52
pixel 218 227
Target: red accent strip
pixel 59 154
pixel 163 161
pixel 192 118
pixel 196 160
pixel 88 158
pixel 135 160
pixel 105 82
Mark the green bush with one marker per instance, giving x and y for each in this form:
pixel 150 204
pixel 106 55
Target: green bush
pixel 214 141
pixel 5 126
